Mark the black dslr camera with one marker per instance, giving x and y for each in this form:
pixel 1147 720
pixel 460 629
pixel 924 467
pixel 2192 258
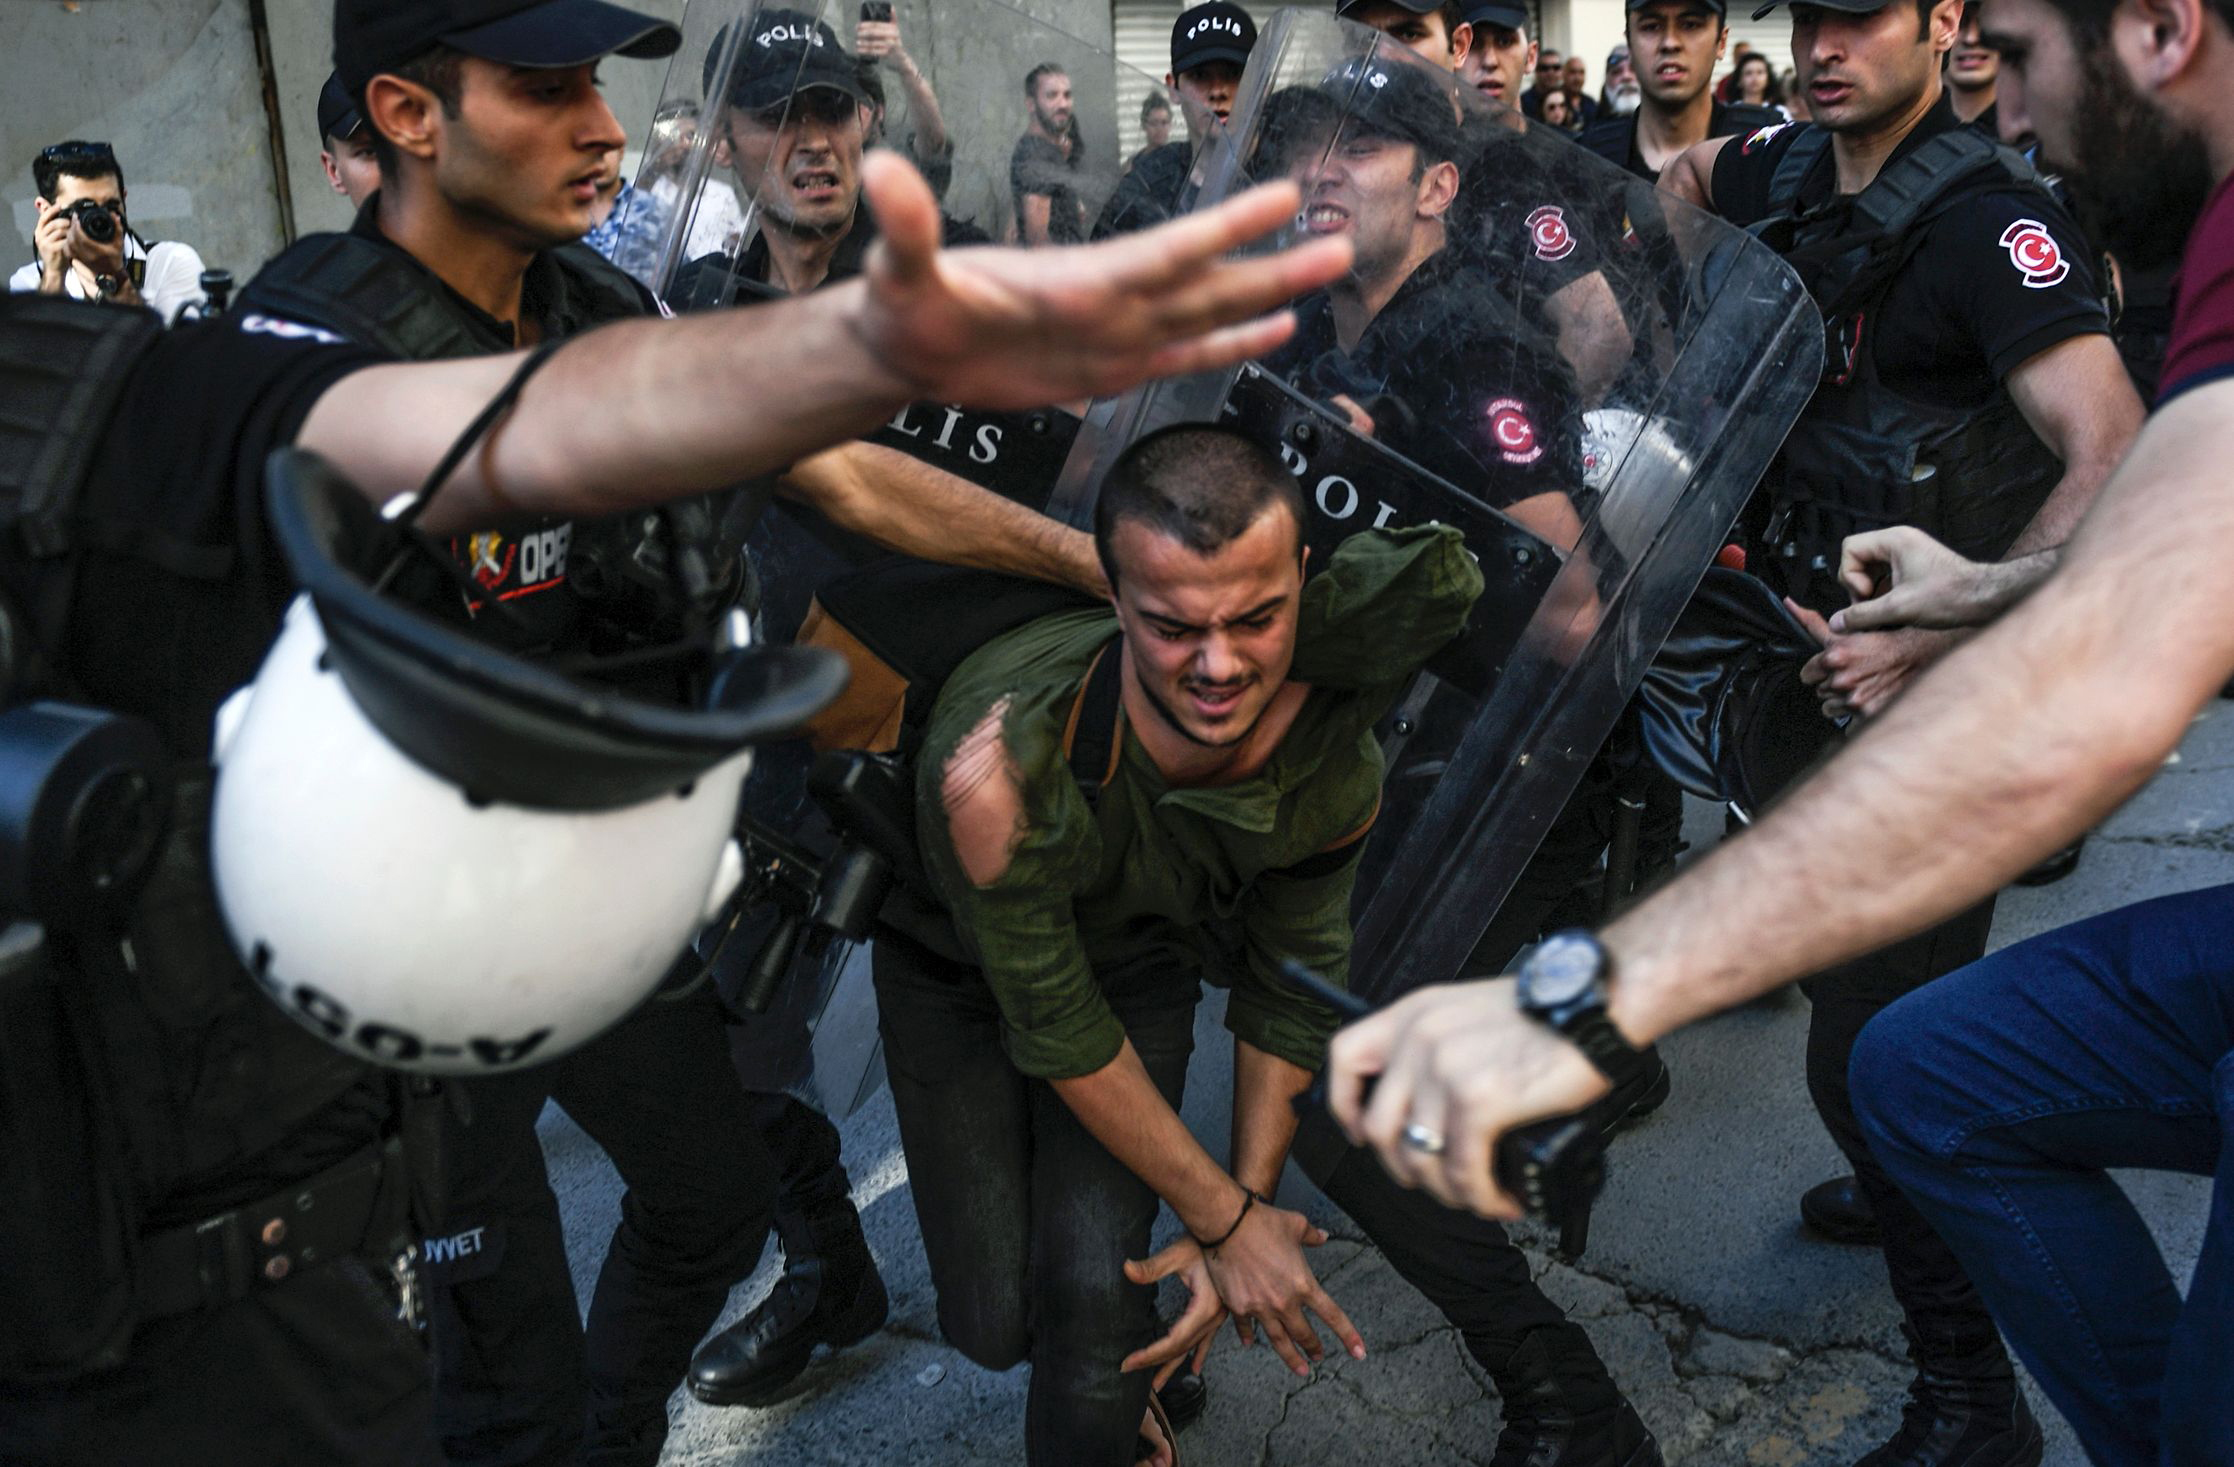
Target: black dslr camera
pixel 101 222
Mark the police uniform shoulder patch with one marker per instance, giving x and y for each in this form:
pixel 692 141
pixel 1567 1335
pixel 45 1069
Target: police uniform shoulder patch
pixel 2035 253
pixel 255 324
pixel 1514 431
pixel 1548 232
pixel 1761 137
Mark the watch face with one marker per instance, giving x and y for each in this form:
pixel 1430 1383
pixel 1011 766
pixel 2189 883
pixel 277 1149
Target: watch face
pixel 1560 971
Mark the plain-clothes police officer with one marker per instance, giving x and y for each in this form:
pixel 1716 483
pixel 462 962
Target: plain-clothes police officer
pixel 1673 46
pixel 204 1231
pixel 1971 389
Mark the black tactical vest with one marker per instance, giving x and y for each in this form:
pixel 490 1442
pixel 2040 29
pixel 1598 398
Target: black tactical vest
pixel 622 570
pixel 1865 455
pixel 378 295
pixel 139 1065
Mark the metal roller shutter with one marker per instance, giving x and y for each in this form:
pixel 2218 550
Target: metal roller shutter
pixel 1143 30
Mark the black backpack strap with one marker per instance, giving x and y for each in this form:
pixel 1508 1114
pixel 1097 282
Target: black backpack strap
pixel 1800 160
pixel 1096 731
pixel 1902 194
pixel 374 295
pixel 63 366
pixel 1846 270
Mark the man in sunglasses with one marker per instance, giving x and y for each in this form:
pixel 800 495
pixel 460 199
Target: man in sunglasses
pixel 86 249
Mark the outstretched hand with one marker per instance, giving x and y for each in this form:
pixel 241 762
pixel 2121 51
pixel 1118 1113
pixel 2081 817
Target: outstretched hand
pixel 1014 329
pixel 1902 577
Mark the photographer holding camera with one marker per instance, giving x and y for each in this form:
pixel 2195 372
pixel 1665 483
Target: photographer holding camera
pixel 85 246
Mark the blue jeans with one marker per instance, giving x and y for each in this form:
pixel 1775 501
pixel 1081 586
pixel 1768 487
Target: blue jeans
pixel 1998 1096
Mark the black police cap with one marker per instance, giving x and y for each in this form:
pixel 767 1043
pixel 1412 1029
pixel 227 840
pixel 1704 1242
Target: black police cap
pixel 338 117
pixel 372 36
pixel 785 52
pixel 1214 32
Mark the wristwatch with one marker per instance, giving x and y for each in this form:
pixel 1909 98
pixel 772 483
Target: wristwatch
pixel 1563 986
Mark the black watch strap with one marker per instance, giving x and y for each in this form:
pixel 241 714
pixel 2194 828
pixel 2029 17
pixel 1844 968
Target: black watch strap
pixel 1603 1045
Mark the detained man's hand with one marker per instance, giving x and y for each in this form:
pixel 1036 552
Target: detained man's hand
pixel 1462 1062
pixel 1264 1281
pixel 1015 329
pixel 1902 577
pixel 1196 1328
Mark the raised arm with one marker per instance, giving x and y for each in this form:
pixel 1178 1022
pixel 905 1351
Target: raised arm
pixel 646 411
pixel 917 509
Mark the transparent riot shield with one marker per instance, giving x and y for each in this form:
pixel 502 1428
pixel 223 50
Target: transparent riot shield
pixel 756 155
pixel 1583 376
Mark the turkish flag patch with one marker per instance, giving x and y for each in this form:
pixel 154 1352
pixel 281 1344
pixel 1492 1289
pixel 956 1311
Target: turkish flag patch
pixel 1548 232
pixel 2035 253
pixel 1514 431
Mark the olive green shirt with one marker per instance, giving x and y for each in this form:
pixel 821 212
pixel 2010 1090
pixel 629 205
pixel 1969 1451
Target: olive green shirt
pixel 1229 881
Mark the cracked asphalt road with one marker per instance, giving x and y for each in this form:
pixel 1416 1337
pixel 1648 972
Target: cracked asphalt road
pixel 1742 1342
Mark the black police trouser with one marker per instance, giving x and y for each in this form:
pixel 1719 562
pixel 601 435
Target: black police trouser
pixel 1465 1265
pixel 814 1202
pixel 317 1369
pixel 1942 1307
pixel 1560 887
pixel 519 1379
pixel 1028 1220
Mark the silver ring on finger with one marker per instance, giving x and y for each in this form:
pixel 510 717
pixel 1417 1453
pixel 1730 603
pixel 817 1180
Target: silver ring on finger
pixel 1423 1140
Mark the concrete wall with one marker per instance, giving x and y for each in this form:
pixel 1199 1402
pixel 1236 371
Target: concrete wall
pixel 176 86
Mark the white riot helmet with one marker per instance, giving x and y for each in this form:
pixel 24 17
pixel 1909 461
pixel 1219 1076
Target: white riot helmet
pixel 444 858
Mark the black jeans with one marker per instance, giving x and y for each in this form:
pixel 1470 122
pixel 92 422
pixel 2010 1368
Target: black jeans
pixel 318 1369
pixel 1942 1306
pixel 519 1379
pixel 1027 1219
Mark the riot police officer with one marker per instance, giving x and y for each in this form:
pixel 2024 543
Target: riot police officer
pixel 206 1206
pixel 1971 390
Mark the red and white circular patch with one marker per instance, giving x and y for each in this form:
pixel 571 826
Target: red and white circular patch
pixel 1514 431
pixel 2035 253
pixel 1547 230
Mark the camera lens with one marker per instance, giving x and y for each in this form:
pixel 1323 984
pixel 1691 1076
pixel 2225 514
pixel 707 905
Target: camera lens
pixel 98 223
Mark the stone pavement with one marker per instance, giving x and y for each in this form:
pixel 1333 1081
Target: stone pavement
pixel 1741 1341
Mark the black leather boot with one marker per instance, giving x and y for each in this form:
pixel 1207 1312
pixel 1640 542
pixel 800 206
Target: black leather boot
pixel 1964 1410
pixel 1563 1410
pixel 1837 1212
pixel 831 1296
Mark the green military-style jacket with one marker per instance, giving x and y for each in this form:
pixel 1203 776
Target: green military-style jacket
pixel 1229 882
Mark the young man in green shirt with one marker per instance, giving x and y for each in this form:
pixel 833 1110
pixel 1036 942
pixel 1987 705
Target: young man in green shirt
pixel 1038 1066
